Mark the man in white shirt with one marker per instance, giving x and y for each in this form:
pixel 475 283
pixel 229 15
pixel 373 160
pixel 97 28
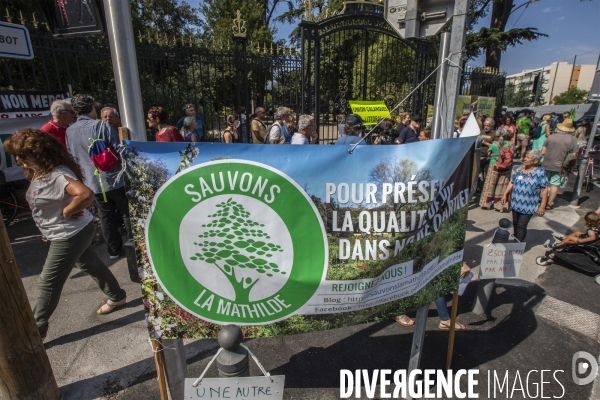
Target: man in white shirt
pixel 306 129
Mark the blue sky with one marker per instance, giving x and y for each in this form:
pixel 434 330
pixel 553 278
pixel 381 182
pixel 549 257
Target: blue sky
pixel 572 27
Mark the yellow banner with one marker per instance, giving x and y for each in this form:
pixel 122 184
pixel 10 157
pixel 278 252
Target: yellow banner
pixel 463 104
pixel 486 105
pixel 370 111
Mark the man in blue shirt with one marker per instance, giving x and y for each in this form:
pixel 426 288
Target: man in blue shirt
pixel 409 134
pixel 110 195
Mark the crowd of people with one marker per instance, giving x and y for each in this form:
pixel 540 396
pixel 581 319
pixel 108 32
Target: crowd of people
pixel 547 152
pixel 66 185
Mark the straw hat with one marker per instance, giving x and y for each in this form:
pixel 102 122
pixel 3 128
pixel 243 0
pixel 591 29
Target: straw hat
pixel 566 126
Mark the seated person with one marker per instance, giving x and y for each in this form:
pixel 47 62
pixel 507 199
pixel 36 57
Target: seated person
pixel 592 225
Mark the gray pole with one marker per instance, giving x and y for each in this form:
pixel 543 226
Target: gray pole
pixel 571 78
pixel 454 73
pixel 553 82
pixel 439 86
pixel 486 286
pixel 418 337
pixel 124 61
pixel 584 162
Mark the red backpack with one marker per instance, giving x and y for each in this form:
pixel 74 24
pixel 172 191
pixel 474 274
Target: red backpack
pixel 505 159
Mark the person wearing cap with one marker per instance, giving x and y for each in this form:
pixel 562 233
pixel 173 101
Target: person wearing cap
pixel 189 110
pixel 409 134
pixel 353 127
pixel 555 150
pixel 524 126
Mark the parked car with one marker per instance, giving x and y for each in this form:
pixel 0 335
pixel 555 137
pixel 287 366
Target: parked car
pixel 591 118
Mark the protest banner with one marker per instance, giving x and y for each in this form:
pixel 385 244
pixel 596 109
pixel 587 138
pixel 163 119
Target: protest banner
pixel 291 239
pixel 25 104
pixel 370 111
pixel 486 105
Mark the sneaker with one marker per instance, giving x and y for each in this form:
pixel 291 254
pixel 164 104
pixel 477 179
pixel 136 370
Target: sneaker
pixel 115 256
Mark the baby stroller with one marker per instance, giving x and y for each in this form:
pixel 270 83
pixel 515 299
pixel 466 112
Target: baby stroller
pixel 584 257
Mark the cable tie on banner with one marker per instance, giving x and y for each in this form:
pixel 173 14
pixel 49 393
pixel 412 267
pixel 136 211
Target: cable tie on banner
pixel 265 373
pixel 197 381
pixel 163 347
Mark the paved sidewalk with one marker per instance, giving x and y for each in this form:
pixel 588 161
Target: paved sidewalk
pixel 536 322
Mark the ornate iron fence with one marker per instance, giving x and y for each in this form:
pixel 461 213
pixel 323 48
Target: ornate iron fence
pixel 221 77
pixel 484 81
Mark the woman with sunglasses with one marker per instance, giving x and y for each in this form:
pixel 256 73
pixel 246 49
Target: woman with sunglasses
pixel 58 199
pixel 189 110
pixel 157 119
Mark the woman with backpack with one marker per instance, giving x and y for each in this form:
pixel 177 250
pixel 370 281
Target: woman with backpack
pixel 540 135
pixel 498 176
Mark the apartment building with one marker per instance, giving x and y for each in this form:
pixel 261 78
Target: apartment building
pixel 555 78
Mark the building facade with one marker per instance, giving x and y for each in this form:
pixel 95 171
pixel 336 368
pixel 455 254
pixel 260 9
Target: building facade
pixel 553 80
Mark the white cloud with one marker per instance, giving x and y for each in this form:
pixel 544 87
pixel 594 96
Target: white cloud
pixel 561 18
pixel 551 9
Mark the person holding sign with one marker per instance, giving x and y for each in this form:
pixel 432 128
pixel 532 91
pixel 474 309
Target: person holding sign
pixel 527 193
pixel 58 200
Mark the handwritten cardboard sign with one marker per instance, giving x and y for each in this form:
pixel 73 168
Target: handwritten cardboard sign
pixel 249 388
pixel 501 260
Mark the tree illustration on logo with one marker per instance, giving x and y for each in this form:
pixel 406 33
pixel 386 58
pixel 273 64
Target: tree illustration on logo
pixel 237 242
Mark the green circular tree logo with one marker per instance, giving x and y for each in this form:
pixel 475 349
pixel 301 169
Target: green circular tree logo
pixel 236 241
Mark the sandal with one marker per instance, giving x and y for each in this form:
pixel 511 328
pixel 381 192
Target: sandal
pixel 404 320
pixel 549 206
pixel 457 326
pixel 109 307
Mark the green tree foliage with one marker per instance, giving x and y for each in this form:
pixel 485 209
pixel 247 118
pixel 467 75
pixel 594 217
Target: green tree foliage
pixel 514 97
pixel 572 96
pixel 219 15
pixel 495 39
pixel 231 246
pixel 170 17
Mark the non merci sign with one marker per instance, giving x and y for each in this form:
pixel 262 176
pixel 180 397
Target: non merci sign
pixel 248 388
pixel 501 260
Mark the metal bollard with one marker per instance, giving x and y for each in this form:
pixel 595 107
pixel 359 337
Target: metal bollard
pixel 132 267
pixel 486 286
pixel 233 360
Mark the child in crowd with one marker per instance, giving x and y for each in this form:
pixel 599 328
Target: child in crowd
pixel 592 225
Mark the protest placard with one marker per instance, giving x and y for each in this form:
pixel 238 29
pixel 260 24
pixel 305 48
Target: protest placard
pixel 251 235
pixel 501 260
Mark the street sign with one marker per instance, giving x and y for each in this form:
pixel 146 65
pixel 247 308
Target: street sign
pixel 15 41
pixel 246 388
pixel 418 18
pixel 74 18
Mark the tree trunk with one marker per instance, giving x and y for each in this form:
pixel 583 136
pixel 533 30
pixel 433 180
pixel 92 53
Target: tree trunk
pixel 501 10
pixel 25 371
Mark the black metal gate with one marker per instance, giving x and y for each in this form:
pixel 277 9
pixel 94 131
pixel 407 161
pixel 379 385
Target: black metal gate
pixel 356 55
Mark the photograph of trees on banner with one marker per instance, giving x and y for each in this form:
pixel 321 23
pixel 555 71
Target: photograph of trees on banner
pixel 291 239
